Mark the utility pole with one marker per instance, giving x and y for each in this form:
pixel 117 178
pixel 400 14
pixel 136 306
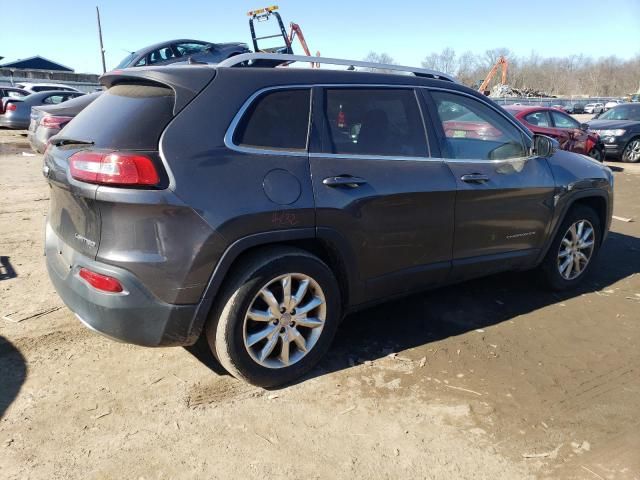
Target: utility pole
pixel 104 66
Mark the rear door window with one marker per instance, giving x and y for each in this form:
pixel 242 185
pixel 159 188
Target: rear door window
pixel 474 131
pixel 161 55
pixel 277 120
pixel 561 120
pixel 374 121
pixel 539 119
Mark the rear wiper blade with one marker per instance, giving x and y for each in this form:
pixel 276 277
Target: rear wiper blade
pixel 60 141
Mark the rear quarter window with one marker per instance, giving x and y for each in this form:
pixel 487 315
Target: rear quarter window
pixel 126 116
pixel 277 120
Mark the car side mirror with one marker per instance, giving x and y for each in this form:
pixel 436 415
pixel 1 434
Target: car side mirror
pixel 584 126
pixel 544 146
pixel 209 47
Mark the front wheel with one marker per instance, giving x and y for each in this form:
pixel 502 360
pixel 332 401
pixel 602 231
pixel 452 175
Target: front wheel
pixel 276 317
pixel 597 154
pixel 574 248
pixel 631 153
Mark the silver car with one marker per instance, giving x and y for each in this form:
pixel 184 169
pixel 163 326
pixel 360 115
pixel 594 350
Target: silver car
pixel 594 108
pixel 17 111
pixel 180 51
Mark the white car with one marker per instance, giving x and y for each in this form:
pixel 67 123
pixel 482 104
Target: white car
pixel 43 87
pixel 594 108
pixel 611 104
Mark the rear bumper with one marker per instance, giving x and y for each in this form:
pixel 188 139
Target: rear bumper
pixel 38 138
pixel 133 316
pixel 15 124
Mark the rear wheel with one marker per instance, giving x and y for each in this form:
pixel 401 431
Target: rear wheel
pixel 573 250
pixel 631 153
pixel 276 318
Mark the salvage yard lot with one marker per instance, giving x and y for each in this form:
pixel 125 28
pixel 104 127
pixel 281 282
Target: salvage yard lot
pixel 494 378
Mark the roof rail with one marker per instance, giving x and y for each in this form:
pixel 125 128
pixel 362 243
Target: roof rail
pixel 276 59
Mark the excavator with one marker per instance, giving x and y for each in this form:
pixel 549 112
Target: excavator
pixel 264 15
pixel 502 61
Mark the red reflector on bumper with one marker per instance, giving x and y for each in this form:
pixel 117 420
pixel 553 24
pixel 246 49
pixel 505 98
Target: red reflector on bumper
pixel 101 282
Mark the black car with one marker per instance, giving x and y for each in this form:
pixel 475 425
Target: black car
pixel 255 207
pixel 181 50
pixel 619 129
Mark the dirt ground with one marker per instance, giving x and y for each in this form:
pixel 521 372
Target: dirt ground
pixel 491 379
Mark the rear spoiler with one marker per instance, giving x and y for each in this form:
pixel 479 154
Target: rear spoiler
pixel 186 81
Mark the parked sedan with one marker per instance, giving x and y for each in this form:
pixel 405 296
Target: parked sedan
pixel 554 123
pixel 17 111
pixel 594 108
pixel 619 129
pixel 180 50
pixel 47 121
pixel 7 93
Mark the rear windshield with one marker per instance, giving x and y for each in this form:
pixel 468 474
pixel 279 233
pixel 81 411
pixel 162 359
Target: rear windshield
pixel 125 117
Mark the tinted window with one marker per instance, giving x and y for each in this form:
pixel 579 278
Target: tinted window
pixel 141 63
pixel 276 120
pixel 45 88
pixel 125 117
pixel 487 136
pixel 374 122
pixel 540 119
pixel 561 120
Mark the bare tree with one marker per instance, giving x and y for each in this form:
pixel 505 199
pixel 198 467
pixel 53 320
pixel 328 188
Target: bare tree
pixel 374 57
pixel 571 75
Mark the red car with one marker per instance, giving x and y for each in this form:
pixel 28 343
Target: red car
pixel 555 123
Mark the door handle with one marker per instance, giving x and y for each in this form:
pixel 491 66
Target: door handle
pixel 344 181
pixel 474 178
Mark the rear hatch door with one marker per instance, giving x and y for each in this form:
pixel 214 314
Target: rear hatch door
pixel 129 117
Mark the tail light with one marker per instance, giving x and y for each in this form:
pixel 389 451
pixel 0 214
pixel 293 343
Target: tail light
pixel 113 168
pixel 11 107
pixel 51 121
pixel 101 282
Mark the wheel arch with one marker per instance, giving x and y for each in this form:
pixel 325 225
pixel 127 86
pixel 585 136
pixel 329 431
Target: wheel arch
pixel 327 246
pixel 594 199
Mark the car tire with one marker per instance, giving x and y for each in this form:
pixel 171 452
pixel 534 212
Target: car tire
pixel 631 151
pixel 597 154
pixel 255 346
pixel 565 246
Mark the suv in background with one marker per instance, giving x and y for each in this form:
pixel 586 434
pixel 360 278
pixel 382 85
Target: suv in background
pixel 619 129
pixel 258 206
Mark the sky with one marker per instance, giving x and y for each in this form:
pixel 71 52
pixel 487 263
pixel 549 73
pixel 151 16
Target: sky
pixel 408 30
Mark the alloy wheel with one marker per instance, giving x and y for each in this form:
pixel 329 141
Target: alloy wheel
pixel 576 249
pixel 632 151
pixel 284 320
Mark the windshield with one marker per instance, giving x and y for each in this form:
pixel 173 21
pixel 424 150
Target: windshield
pixel 126 61
pixel 622 112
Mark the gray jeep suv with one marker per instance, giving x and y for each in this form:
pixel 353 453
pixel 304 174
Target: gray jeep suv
pixel 259 205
